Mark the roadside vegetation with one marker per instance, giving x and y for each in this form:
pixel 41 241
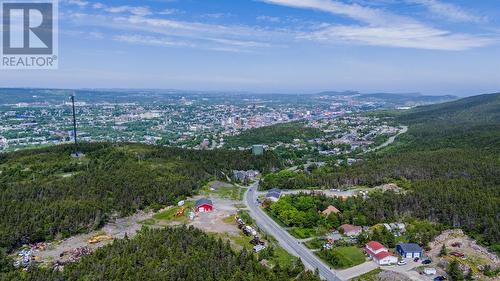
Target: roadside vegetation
pixel 370 276
pixel 302 215
pixel 449 159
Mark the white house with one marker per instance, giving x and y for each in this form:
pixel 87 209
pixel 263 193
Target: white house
pixel 380 254
pixel 385 258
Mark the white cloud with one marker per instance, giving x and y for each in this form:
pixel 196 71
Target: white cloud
pixel 98 5
pixel 354 11
pixel 449 11
pixel 214 15
pixel 149 30
pixel 79 3
pixel 405 37
pixel 169 12
pixel 382 28
pixel 269 19
pixel 375 27
pixel 150 40
pixel 135 10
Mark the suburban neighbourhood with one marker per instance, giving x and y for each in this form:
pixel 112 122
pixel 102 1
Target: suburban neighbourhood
pixel 406 259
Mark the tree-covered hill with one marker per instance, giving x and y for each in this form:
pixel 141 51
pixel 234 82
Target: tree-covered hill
pixel 285 133
pixel 474 109
pixel 449 159
pixel 46 193
pixel 172 254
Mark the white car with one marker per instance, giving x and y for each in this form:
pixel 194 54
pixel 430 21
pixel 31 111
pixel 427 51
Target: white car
pixel 430 271
pixel 402 262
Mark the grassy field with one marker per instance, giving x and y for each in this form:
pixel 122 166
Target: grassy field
pixel 224 190
pixel 343 257
pixel 148 222
pixel 302 233
pixel 169 215
pixel 238 242
pixel 350 256
pixel 229 220
pixel 279 256
pixel 282 257
pixel 315 243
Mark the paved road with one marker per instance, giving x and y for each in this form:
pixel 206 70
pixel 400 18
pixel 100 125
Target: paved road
pixel 288 242
pixel 390 140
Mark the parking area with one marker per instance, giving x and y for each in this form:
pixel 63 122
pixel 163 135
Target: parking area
pixel 414 270
pixel 215 221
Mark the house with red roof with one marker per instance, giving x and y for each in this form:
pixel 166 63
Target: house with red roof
pixel 380 254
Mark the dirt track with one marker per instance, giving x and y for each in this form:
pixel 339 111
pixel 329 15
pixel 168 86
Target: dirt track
pixel 117 230
pixel 210 222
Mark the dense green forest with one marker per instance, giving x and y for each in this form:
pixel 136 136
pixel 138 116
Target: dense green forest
pixel 46 193
pixel 449 161
pixel 303 213
pixel 168 254
pixel 285 133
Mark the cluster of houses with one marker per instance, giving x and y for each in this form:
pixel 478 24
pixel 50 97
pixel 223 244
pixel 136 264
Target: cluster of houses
pixel 375 250
pixel 245 176
pixel 395 228
pixel 382 256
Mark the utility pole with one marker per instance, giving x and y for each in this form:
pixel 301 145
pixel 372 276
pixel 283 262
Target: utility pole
pixel 74 121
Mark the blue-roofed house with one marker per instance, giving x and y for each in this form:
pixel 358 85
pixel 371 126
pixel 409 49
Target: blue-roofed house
pixel 409 250
pixel 273 194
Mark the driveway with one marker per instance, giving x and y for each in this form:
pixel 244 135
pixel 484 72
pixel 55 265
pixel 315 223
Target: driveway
pixel 408 271
pixel 357 270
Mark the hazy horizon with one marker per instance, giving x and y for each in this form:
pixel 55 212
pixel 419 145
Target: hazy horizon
pixel 276 46
pixel 201 91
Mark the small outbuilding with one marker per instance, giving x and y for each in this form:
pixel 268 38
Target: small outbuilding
pixel 204 205
pixel 409 250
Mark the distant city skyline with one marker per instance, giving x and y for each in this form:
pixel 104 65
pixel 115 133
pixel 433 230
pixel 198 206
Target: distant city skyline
pixel 432 47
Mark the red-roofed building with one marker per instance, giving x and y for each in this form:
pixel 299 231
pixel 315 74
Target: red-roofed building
pixel 380 254
pixel 385 258
pixel 375 247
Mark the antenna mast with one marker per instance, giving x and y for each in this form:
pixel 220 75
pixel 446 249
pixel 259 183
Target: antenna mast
pixel 74 119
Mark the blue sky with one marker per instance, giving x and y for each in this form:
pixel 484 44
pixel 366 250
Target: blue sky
pixel 300 46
